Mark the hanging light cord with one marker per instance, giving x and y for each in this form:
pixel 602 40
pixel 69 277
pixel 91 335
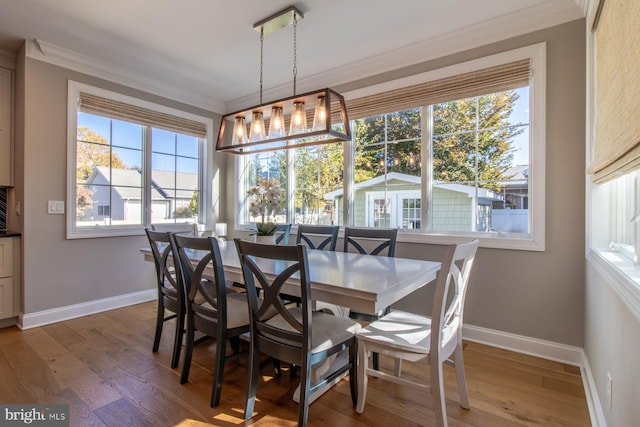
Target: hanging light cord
pixel 295 58
pixel 261 59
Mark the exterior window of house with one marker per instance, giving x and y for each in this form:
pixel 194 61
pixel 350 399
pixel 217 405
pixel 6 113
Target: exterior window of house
pixel 411 213
pixel 450 156
pixel 133 165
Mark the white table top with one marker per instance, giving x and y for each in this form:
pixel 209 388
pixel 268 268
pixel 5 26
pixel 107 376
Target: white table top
pixel 365 283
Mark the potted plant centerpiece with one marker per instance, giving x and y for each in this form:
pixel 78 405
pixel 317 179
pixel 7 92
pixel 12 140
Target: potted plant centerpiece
pixel 265 199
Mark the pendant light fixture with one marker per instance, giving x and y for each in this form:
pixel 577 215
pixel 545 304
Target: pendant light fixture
pixel 284 123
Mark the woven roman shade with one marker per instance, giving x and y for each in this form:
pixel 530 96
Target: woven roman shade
pixel 94 104
pixel 616 147
pixel 481 82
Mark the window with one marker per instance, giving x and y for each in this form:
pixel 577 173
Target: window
pixel 624 233
pixel 133 163
pixel 453 152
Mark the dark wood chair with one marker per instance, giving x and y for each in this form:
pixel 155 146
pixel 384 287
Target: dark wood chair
pixel 371 241
pixel 170 293
pixel 324 237
pixel 297 335
pixel 282 234
pixel 211 309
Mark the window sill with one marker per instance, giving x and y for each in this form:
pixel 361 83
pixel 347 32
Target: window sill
pixel 622 274
pixel 515 242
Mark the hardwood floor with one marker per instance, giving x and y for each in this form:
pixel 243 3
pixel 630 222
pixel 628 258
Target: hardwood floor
pixel 103 367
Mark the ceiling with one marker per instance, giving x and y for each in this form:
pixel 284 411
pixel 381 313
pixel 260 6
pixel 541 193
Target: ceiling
pixel 206 53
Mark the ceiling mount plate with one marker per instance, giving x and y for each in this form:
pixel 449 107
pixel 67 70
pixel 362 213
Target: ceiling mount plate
pixel 278 20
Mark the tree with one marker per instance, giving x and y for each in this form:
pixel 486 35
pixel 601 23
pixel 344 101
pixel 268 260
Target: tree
pixel 92 150
pixel 472 139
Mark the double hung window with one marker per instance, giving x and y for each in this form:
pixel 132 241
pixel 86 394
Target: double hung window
pixel 134 164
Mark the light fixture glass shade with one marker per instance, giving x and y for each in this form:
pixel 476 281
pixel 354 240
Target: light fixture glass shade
pixel 257 127
pixel 280 116
pixel 276 123
pixel 320 115
pixel 239 131
pixel 298 119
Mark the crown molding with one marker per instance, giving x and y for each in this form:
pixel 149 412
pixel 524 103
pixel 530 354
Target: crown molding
pixel 7 59
pixel 62 57
pixel 474 36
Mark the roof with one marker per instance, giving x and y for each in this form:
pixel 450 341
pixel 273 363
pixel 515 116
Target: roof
pixel 412 179
pixel 127 182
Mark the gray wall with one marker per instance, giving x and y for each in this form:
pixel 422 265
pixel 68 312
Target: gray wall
pixel 60 272
pixel 535 294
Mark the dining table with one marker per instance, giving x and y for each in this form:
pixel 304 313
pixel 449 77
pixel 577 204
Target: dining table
pixel 364 283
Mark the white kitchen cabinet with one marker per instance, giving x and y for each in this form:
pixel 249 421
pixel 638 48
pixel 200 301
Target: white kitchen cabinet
pixel 9 294
pixel 6 119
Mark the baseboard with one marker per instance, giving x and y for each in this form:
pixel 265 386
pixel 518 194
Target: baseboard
pixel 547 350
pixel 521 344
pixel 591 393
pixel 41 318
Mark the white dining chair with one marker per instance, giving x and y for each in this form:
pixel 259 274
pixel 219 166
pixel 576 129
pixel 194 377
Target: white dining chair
pixel 412 337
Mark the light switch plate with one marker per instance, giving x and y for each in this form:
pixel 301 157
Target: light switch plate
pixel 55 207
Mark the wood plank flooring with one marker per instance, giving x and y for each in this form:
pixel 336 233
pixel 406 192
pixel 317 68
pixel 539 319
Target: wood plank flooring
pixel 103 367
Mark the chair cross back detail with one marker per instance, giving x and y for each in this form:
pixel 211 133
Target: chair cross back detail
pixel 306 231
pixel 282 233
pixel 354 237
pixel 271 302
pixel 193 275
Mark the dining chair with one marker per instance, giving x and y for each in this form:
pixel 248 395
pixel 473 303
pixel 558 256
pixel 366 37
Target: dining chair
pixel 211 309
pixel 282 234
pixel 370 241
pixel 324 237
pixel 170 293
pixel 183 228
pixel 412 337
pixel 297 335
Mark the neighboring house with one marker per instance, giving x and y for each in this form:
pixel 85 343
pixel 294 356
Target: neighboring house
pixel 118 195
pixel 394 201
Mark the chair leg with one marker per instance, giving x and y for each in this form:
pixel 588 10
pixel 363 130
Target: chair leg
pixel 376 361
pixel 460 377
pixel 305 385
pixel 235 344
pixel 254 368
pixel 437 389
pixel 397 370
pixel 159 323
pixel 363 362
pixel 353 373
pixel 177 341
pixel 218 370
pixel 186 365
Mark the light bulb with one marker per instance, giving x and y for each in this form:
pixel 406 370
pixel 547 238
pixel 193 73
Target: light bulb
pixel 276 123
pixel 298 119
pixel 257 127
pixel 239 131
pixel 320 115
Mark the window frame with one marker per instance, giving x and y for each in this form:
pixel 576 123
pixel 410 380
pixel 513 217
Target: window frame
pixel 74 232
pixel 535 240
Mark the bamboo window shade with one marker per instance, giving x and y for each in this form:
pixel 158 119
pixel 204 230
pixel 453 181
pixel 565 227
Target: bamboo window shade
pixel 616 147
pixel 508 76
pixel 131 113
